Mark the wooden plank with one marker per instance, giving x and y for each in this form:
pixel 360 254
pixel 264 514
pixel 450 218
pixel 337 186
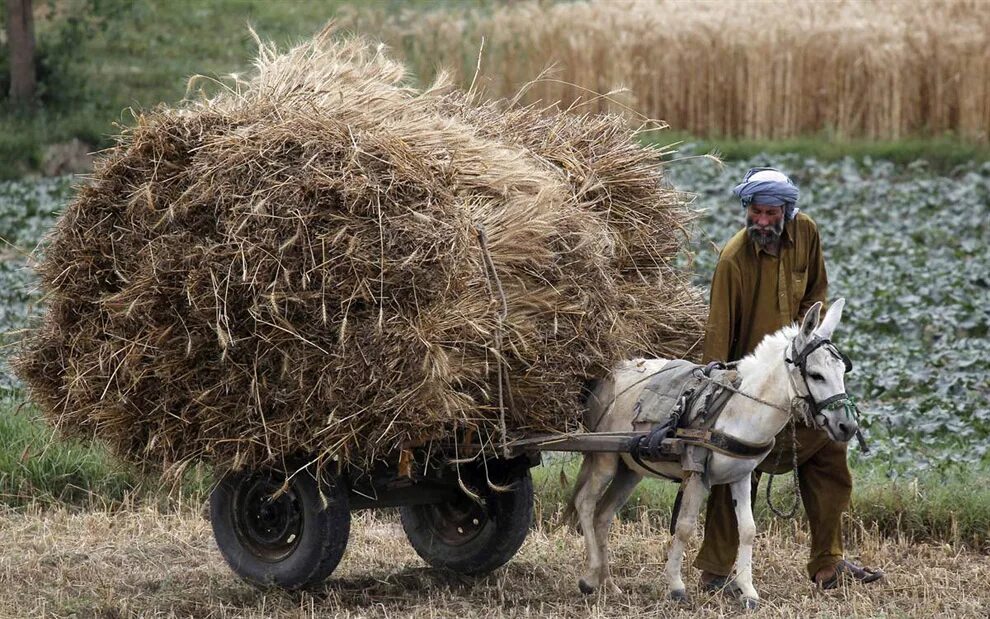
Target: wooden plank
pixel 610 442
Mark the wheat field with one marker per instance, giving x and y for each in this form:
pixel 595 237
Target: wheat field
pixel 875 69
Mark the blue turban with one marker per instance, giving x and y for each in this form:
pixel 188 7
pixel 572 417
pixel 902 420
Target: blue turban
pixel 770 187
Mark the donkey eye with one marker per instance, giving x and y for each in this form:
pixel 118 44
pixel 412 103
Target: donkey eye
pixel 815 376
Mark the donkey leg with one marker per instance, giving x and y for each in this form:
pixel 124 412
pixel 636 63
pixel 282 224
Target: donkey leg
pixel 586 501
pixel 687 522
pixel 741 497
pixel 618 492
pixel 570 515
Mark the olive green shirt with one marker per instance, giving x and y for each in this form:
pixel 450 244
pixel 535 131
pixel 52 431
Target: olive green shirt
pixel 755 293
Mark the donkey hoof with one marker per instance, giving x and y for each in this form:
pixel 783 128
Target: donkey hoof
pixel 749 603
pixel 585 587
pixel 679 595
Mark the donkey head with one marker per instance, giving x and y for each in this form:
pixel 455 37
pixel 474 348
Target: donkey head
pixel 818 370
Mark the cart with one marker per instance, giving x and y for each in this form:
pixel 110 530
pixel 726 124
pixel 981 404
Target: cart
pixel 470 514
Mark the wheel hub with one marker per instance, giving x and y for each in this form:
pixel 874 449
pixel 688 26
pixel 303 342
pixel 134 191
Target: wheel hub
pixel 267 521
pixel 457 522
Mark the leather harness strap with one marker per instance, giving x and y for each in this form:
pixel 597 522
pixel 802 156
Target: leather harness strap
pixel 724 443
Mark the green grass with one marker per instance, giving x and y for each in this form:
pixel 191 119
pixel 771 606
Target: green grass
pixel 38 468
pixel 943 152
pixel 139 54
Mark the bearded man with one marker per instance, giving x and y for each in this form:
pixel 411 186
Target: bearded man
pixel 767 277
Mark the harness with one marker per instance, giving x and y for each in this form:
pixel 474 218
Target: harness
pixel 688 432
pixel 688 435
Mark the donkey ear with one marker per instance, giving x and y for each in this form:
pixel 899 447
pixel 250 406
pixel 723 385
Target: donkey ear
pixel 831 320
pixel 810 322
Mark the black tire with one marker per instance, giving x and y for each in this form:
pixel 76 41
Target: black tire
pixel 469 538
pixel 292 541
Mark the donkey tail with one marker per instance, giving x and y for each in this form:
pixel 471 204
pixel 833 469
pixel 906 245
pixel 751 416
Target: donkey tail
pixel 570 515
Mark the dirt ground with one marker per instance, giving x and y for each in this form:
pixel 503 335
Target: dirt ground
pixel 143 563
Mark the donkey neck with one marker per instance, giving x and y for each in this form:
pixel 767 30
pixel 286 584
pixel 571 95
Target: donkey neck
pixel 753 421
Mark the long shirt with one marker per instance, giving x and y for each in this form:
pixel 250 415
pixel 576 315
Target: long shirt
pixel 755 293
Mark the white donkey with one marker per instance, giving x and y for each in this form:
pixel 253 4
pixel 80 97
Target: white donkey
pixel 792 363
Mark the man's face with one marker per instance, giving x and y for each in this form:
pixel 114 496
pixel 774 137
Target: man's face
pixel 765 223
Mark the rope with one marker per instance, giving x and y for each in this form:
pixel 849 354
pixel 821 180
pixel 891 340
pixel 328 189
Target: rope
pixel 503 372
pixel 797 486
pixel 789 411
pixel 852 411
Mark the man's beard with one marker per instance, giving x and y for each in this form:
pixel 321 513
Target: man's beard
pixel 765 237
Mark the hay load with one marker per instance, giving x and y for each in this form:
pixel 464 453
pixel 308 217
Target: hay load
pixel 323 260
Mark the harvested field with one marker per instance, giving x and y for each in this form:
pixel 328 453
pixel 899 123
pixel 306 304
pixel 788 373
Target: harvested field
pixel 144 563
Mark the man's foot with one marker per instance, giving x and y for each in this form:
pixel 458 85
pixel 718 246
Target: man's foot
pixel 711 583
pixel 830 577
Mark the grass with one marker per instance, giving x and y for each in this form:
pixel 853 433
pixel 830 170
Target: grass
pixel 40 469
pixel 950 506
pixel 132 551
pixel 139 54
pixel 943 153
pixel 148 563
pixel 36 468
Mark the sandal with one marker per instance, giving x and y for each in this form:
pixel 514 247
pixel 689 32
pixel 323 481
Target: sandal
pixel 845 570
pixel 725 584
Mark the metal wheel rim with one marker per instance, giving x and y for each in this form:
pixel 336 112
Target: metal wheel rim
pixel 456 522
pixel 269 527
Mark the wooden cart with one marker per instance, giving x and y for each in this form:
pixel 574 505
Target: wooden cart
pixel 470 517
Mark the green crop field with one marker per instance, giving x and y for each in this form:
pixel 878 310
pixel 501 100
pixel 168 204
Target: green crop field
pixel 907 248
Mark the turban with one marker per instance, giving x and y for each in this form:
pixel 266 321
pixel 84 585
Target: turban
pixel 770 187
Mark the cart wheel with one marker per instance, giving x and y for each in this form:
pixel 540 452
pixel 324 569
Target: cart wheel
pixel 471 538
pixel 291 540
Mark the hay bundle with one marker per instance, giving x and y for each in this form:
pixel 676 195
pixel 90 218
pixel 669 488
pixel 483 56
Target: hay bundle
pixel 324 261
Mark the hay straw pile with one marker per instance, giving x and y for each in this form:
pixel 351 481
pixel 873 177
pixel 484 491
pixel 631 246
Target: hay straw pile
pixel 295 265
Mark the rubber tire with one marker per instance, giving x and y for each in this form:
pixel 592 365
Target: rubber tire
pixel 509 516
pixel 322 537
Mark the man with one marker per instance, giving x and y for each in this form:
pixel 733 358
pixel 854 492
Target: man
pixel 768 275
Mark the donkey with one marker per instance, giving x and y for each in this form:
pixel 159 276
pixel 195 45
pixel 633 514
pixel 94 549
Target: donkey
pixel 787 366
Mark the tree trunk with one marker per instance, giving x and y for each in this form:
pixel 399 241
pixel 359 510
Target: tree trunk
pixel 20 38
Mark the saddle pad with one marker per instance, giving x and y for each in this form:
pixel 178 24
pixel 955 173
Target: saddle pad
pixel 663 391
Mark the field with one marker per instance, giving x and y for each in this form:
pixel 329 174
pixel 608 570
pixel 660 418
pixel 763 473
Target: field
pixel 899 80
pixel 876 70
pixel 898 182
pixel 144 563
pixel 907 248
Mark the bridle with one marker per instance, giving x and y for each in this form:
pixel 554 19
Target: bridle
pixel 800 361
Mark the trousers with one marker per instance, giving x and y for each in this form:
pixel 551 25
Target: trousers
pixel 826 488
